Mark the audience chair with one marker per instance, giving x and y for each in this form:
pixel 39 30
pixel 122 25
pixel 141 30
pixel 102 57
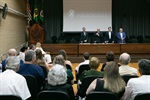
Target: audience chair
pixel 52 95
pixel 85 84
pixel 142 96
pixel 81 69
pixel 10 97
pixel 95 95
pixel 127 77
pixel 32 85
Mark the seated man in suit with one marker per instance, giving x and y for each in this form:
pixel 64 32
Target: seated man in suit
pixel 98 36
pixel 84 36
pixel 109 36
pixel 121 36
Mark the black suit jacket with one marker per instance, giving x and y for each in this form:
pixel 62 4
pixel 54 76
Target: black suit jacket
pixel 100 38
pixel 84 37
pixel 107 37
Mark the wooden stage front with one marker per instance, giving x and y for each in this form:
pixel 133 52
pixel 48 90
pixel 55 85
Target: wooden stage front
pixel 75 51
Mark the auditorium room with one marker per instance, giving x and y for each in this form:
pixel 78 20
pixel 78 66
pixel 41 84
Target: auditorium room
pixel 74 49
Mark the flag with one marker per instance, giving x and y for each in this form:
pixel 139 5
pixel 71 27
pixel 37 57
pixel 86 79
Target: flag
pixel 29 11
pixel 36 13
pixel 42 13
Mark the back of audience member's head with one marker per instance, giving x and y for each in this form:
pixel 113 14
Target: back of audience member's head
pixel 12 52
pixel 112 78
pixel 30 55
pixel 125 58
pixel 39 54
pixel 63 53
pixel 94 63
pixel 24 48
pixel 144 66
pixel 59 59
pixel 12 62
pixel 57 75
pixel 86 55
pixel 110 56
pixel 32 47
pixel 38 44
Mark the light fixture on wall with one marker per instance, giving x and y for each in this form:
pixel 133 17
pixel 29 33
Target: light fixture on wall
pixel 4 11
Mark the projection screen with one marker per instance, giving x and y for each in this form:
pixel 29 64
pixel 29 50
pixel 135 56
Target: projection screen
pixel 87 13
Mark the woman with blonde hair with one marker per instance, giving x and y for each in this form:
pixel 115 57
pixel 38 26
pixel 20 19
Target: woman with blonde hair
pixel 112 81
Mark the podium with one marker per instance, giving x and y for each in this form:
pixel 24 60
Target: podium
pixel 36 34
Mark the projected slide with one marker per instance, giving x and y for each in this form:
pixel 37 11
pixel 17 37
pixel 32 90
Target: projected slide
pixel 87 13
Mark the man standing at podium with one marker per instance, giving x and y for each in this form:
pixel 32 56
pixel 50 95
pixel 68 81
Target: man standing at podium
pixel 84 36
pixel 98 36
pixel 121 36
pixel 109 36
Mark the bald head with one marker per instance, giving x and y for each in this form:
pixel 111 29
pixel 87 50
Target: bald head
pixel 125 58
pixel 12 52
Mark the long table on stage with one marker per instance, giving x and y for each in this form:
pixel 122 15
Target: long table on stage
pixel 97 49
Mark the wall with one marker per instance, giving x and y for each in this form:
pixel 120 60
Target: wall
pixel 12 29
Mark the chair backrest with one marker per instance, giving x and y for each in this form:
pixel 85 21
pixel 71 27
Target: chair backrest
pixel 95 95
pixel 127 77
pixel 10 97
pixel 81 69
pixel 52 95
pixel 142 96
pixel 32 85
pixel 85 84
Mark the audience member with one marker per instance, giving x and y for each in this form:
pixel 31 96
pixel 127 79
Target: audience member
pixel 32 47
pixel 109 36
pixel 22 52
pixel 60 60
pixel 125 69
pixel 12 83
pixel 121 36
pixel 140 84
pixel 11 52
pixel 29 68
pixel 110 56
pixel 57 78
pixel 112 81
pixel 41 62
pixel 64 54
pixel 47 57
pixel 84 36
pixel 94 64
pixel 98 36
pixel 86 57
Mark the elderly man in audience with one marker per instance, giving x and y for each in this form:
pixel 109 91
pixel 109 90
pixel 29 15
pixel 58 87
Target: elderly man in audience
pixel 12 83
pixel 125 69
pixel 140 84
pixel 29 68
pixel 11 52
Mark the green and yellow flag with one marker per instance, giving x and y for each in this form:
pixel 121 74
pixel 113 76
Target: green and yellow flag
pixel 36 13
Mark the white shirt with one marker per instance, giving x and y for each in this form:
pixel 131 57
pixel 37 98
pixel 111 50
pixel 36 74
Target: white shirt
pixel 22 56
pixel 109 35
pixel 14 83
pixel 137 85
pixel 121 35
pixel 82 63
pixel 126 69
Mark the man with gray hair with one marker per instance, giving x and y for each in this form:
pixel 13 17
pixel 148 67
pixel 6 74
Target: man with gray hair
pixel 29 68
pixel 140 84
pixel 11 52
pixel 12 83
pixel 125 69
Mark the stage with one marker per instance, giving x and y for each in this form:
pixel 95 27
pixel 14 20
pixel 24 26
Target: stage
pixel 75 51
